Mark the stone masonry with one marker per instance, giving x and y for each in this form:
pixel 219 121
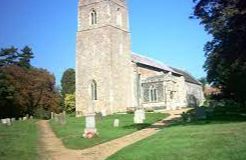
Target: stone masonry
pixel 110 78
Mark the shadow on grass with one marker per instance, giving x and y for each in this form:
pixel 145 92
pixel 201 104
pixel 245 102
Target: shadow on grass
pixel 138 126
pixel 221 118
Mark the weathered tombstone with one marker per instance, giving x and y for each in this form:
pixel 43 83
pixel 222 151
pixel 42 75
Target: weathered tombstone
pixel 139 116
pixel 27 116
pixel 8 121
pixel 200 113
pixel 90 125
pixel 62 119
pixel 20 119
pixel 31 117
pixel 12 119
pixel 56 117
pixel 52 115
pixel 116 123
pixel 90 122
pixel 24 118
pixel 3 121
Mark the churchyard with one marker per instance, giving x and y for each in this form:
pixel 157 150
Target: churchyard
pixel 71 132
pixel 207 141
pixel 201 139
pixel 19 140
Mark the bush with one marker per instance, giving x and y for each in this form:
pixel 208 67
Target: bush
pixel 41 113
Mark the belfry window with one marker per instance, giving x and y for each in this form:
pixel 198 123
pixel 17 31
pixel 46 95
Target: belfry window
pixel 93 90
pixel 153 94
pixel 93 17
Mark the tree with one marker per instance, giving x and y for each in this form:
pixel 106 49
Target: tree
pixel 225 20
pixel 68 82
pixel 9 56
pixel 25 91
pixel 69 102
pixel 25 57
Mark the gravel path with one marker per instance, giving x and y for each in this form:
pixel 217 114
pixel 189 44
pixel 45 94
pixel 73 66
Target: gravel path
pixel 52 148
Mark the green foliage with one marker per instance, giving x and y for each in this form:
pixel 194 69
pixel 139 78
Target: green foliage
pixel 19 141
pixel 69 102
pixel 25 57
pixel 195 142
pixel 11 56
pixel 68 82
pixel 225 20
pixel 71 132
pixel 24 88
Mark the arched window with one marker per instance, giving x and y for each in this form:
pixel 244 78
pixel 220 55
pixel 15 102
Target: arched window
pixel 93 90
pixel 153 94
pixel 93 18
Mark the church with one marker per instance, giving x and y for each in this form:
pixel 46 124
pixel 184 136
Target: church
pixel 111 78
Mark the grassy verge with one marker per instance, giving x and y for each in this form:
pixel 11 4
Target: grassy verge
pixel 19 141
pixel 213 141
pixel 71 132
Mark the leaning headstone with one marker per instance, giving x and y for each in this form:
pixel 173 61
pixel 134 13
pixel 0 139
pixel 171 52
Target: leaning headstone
pixel 139 116
pixel 116 123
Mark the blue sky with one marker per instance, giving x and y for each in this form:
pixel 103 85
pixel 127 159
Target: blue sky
pixel 160 29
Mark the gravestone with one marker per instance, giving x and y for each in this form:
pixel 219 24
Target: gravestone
pixel 56 117
pixel 139 116
pixel 8 121
pixel 20 119
pixel 24 118
pixel 31 117
pixel 116 123
pixel 90 122
pixel 52 115
pixel 62 118
pixel 12 119
pixel 90 125
pixel 3 121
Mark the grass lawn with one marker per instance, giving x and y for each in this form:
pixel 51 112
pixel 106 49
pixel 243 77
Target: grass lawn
pixel 221 141
pixel 19 141
pixel 71 132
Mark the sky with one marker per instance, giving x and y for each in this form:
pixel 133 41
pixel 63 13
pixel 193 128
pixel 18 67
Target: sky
pixel 160 29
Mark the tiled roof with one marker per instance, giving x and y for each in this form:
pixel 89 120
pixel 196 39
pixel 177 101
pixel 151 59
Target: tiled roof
pixel 151 62
pixel 136 58
pixel 188 77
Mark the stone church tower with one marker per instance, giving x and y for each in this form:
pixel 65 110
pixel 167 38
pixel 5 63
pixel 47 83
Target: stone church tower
pixel 104 81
